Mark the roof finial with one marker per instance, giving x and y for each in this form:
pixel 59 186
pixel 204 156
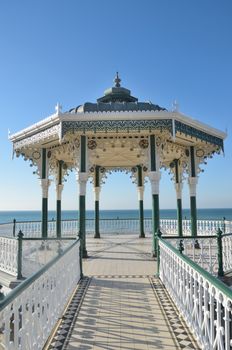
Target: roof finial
pixel 117 80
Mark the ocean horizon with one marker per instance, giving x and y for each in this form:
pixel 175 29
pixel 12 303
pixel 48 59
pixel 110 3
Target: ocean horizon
pixel 35 215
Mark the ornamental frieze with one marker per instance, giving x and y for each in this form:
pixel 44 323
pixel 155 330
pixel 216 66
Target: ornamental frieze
pixel 198 134
pixel 116 125
pixel 37 138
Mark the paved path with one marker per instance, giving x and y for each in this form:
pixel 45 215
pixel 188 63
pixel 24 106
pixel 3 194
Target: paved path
pixel 124 306
pixel 119 255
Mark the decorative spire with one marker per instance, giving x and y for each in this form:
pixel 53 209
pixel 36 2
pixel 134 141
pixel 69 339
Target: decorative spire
pixel 117 80
pixel 58 108
pixel 175 106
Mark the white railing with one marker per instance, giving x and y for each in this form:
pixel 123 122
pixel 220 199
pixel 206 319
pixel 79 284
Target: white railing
pixel 127 225
pixel 203 251
pixel 227 252
pixel 204 302
pixel 6 230
pixel 8 255
pixel 227 226
pixel 29 313
pixel 36 253
pixel 208 227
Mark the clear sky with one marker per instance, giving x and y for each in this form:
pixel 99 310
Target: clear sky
pixel 69 51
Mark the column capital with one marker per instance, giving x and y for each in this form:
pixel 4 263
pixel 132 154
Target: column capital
pixel 192 181
pixel 82 179
pixel 97 191
pixel 154 177
pixel 59 189
pixel 45 183
pixel 179 187
pixel 140 192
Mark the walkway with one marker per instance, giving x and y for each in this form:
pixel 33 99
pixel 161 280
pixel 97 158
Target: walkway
pixel 121 305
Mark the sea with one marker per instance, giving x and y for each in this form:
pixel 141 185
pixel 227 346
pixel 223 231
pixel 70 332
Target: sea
pixel 202 214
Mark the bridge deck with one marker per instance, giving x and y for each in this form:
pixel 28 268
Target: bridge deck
pixel 121 305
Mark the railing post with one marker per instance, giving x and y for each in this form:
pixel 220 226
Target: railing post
pixel 181 246
pixel 14 227
pixel 20 251
pixel 224 224
pixel 220 258
pixel 158 236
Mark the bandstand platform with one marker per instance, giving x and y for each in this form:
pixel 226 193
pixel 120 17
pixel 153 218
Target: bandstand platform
pixel 122 305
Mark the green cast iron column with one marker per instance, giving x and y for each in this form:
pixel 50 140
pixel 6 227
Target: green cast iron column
pixel 140 194
pixel 58 218
pixel 82 182
pixel 179 217
pixel 192 186
pixel 155 217
pixel 97 232
pixel 44 183
pixel 82 226
pixel 58 200
pixel 154 178
pixel 97 191
pixel 179 199
pixel 193 213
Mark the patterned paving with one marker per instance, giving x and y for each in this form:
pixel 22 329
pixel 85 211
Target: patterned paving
pixel 122 309
pixel 178 327
pixel 65 326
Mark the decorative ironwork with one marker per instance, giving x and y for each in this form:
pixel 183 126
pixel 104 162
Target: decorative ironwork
pixel 200 152
pixel 36 138
pixel 36 155
pixel 92 144
pixel 8 257
pixel 42 294
pixel 189 130
pixel 116 125
pixel 168 226
pixel 144 143
pixel 203 301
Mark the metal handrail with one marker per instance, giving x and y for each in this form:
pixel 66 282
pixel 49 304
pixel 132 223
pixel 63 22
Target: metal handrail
pixel 27 282
pixel 214 280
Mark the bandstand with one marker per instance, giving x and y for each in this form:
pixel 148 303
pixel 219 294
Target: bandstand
pixel 118 133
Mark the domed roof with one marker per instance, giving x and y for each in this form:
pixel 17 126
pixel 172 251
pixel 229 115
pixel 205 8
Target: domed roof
pixel 116 99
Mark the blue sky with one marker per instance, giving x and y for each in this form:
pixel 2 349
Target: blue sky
pixel 69 51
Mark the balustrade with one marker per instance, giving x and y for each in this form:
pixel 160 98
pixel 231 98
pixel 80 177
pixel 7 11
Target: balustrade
pixel 127 225
pixel 202 251
pixel 7 229
pixel 33 252
pixel 204 301
pixel 8 256
pixel 37 252
pixel 29 313
pixel 227 252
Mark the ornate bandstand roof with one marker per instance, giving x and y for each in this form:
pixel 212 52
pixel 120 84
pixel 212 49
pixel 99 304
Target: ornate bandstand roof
pixel 117 99
pixel 117 127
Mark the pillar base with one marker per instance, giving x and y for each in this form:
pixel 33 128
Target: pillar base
pixel 84 254
pixel 142 235
pixel 153 254
pixel 97 235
